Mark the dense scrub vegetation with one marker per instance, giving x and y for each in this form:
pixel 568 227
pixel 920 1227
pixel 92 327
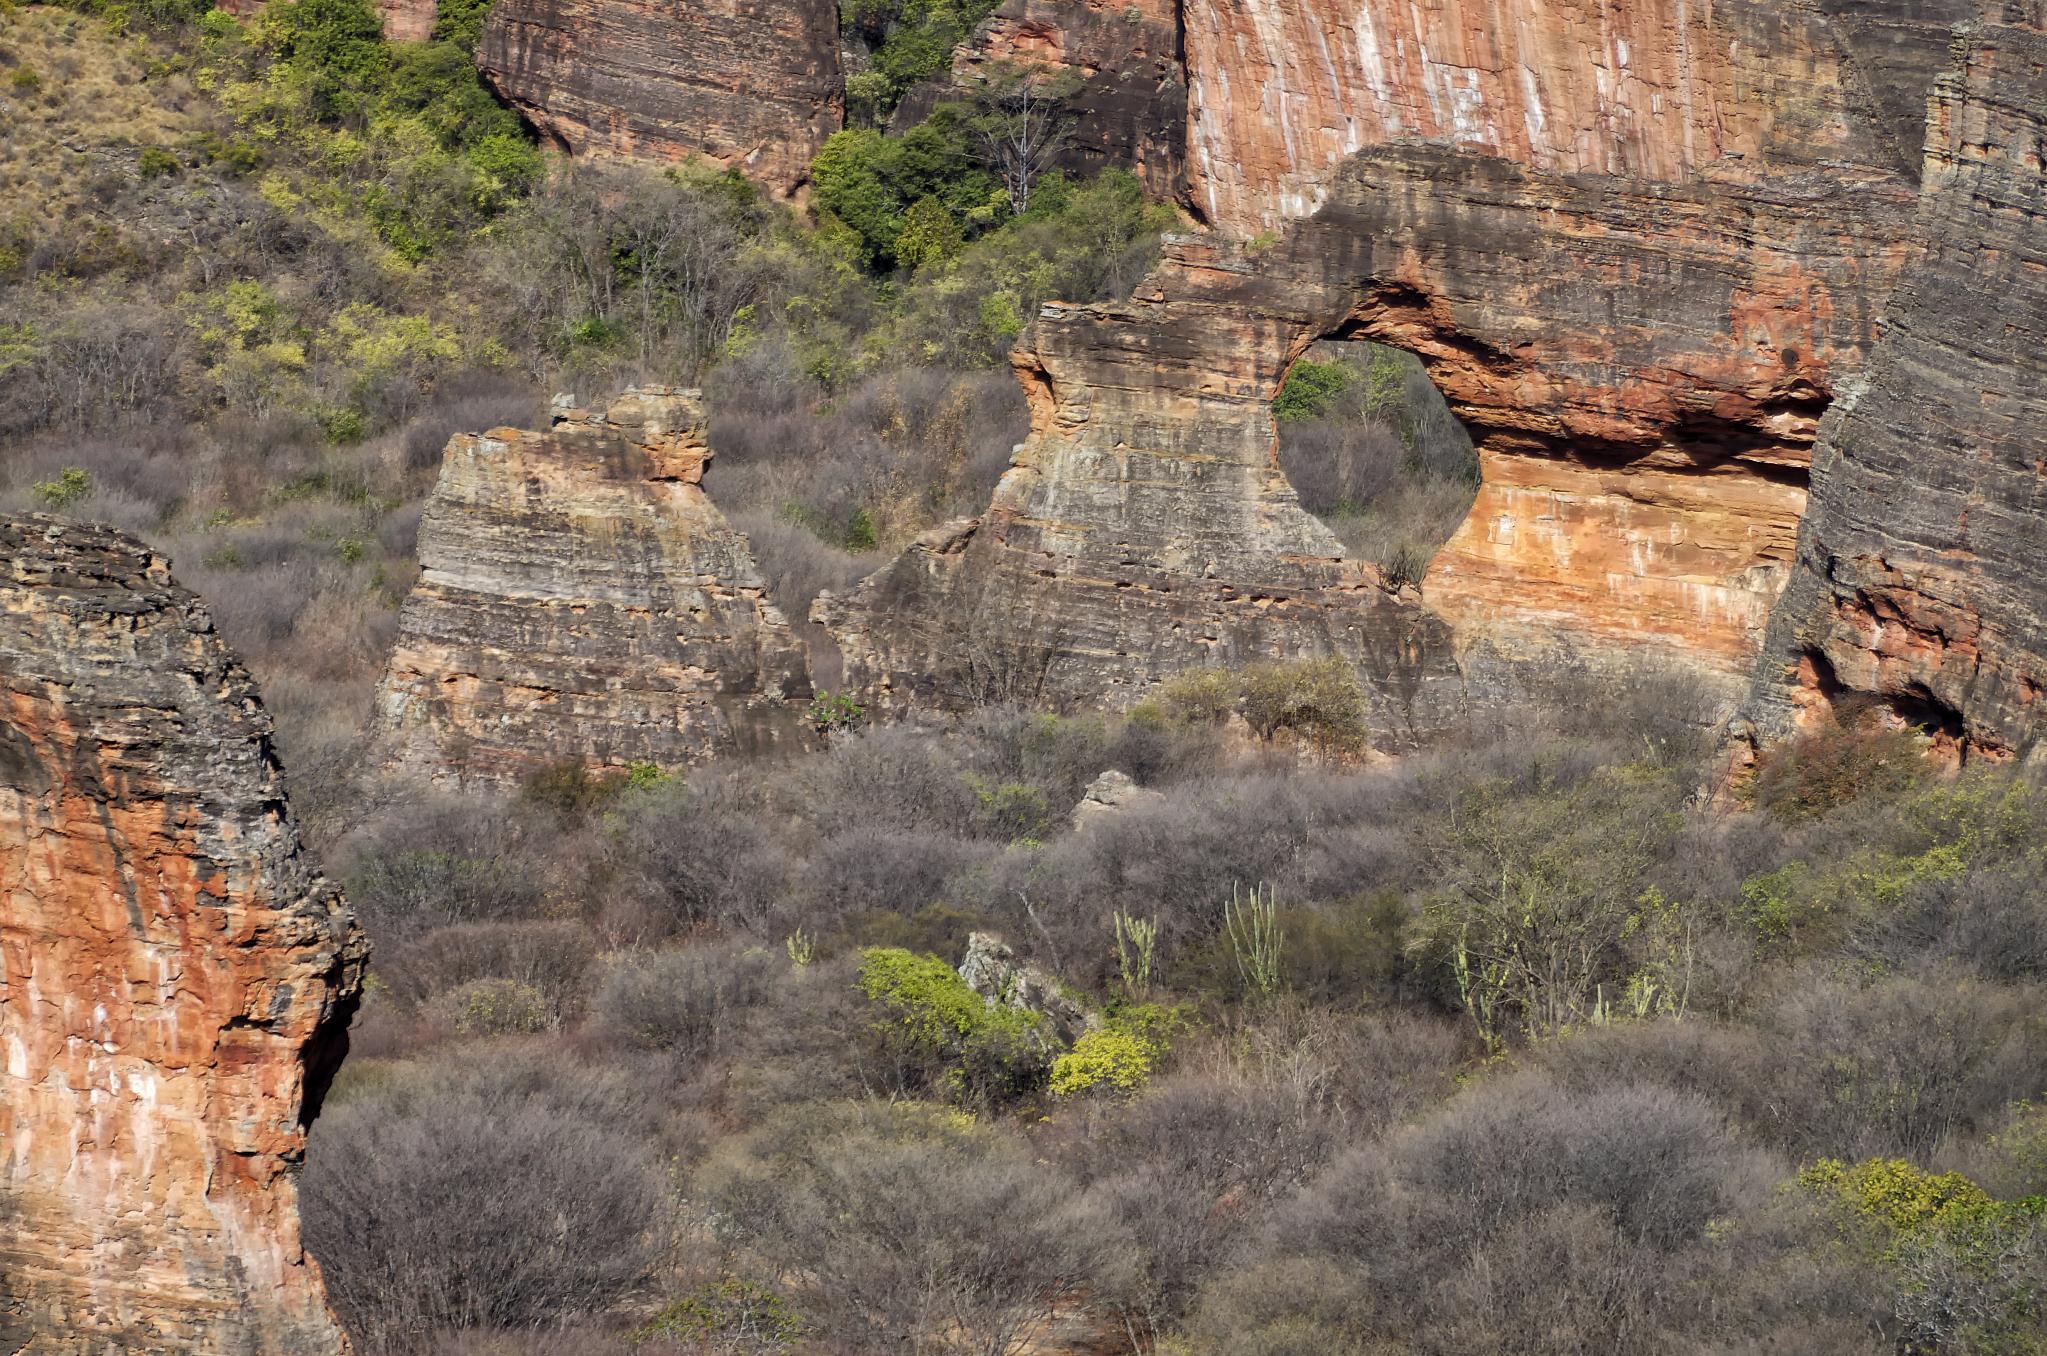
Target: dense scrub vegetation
pixel 1520 1044
pixel 1515 1045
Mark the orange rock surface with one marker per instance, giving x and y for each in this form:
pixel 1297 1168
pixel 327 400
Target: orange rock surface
pixel 175 975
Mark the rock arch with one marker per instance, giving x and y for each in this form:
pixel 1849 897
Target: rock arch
pixel 1641 364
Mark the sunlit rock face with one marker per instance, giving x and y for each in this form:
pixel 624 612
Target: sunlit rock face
pixel 176 977
pixel 1641 250
pixel 582 600
pixel 1281 91
pixel 750 84
pixel 1919 569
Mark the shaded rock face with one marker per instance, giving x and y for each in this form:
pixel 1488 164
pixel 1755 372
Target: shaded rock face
pixel 748 83
pixel 1640 319
pixel 1918 577
pixel 1122 63
pixel 581 599
pixel 176 978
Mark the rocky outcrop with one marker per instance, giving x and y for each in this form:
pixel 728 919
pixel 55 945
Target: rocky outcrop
pixel 748 83
pixel 1281 91
pixel 176 978
pixel 1110 795
pixel 990 968
pixel 1918 576
pixel 1116 65
pixel 1639 252
pixel 583 600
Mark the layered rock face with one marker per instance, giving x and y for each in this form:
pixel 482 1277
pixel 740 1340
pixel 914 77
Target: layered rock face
pixel 1640 252
pixel 1918 575
pixel 747 83
pixel 583 600
pixel 1281 91
pixel 176 978
pixel 1119 63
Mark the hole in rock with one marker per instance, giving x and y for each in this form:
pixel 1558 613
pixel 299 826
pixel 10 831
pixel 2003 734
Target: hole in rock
pixel 1373 450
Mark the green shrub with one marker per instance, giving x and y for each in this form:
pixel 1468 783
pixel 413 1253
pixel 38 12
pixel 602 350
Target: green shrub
pixel 1318 699
pixel 731 1309
pixel 1311 390
pixel 25 81
pixel 1104 1061
pixel 70 486
pixel 974 1048
pixel 496 1007
pixel 155 162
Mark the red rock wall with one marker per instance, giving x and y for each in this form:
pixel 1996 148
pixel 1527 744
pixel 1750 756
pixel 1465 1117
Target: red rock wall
pixel 175 976
pixel 1640 318
pixel 747 83
pixel 1280 91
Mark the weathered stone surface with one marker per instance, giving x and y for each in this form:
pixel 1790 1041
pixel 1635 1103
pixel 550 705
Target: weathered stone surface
pixel 1641 365
pixel 1280 91
pixel 1109 795
pixel 747 83
pixel 990 968
pixel 1121 62
pixel 582 599
pixel 1640 319
pixel 1919 575
pixel 176 978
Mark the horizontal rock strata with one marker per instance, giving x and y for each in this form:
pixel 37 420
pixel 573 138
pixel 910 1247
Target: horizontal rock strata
pixel 1918 576
pixel 753 84
pixel 176 977
pixel 583 600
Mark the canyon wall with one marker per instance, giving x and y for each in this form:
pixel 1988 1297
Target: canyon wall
pixel 1280 91
pixel 176 978
pixel 583 600
pixel 1640 320
pixel 748 83
pixel 1116 62
pixel 1918 578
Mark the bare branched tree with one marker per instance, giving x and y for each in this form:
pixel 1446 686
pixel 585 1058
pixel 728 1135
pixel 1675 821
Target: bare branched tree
pixel 1024 124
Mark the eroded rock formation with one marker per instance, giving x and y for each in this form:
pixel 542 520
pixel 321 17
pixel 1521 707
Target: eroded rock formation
pixel 582 599
pixel 747 83
pixel 176 978
pixel 1640 251
pixel 1280 91
pixel 1919 567
pixel 1117 65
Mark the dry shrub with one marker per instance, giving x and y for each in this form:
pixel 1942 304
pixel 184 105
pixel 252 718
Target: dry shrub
pixel 512 1198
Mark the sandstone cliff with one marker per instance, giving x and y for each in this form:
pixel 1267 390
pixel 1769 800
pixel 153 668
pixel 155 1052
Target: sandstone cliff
pixel 749 83
pixel 176 978
pixel 1918 571
pixel 1118 64
pixel 582 599
pixel 1641 250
